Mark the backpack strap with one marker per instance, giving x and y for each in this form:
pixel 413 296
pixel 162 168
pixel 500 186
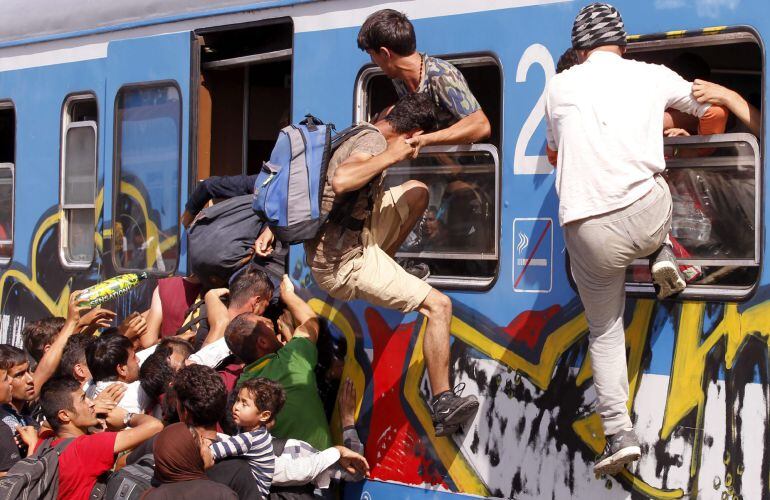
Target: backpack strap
pixel 340 213
pixel 59 447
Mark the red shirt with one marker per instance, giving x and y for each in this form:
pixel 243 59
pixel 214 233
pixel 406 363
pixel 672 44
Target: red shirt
pixel 82 462
pixel 176 295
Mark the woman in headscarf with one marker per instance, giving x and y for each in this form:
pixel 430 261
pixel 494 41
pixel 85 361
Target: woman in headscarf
pixel 181 457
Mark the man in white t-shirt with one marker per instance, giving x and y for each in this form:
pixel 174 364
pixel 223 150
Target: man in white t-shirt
pixel 111 358
pixel 604 135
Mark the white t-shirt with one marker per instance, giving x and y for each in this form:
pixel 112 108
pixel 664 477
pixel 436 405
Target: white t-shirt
pixel 134 400
pixel 605 119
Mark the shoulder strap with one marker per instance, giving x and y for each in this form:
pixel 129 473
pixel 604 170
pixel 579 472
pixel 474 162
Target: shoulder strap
pixel 349 132
pixel 59 447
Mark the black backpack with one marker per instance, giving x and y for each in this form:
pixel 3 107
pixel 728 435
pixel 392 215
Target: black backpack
pixel 130 482
pixel 35 477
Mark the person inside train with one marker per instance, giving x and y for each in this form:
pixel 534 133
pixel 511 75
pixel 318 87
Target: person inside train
pixel 388 37
pixel 604 117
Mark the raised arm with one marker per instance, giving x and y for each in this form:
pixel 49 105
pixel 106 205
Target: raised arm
pixel 49 363
pixel 216 187
pixel 712 93
pixel 355 172
pixel 154 319
pixel 467 130
pixel 142 428
pixel 303 314
pixel 218 317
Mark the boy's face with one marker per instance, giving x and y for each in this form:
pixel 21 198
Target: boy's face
pixel 5 387
pixel 83 415
pixel 22 386
pixel 130 371
pixel 246 414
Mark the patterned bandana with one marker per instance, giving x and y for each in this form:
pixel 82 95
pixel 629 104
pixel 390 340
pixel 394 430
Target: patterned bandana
pixel 596 25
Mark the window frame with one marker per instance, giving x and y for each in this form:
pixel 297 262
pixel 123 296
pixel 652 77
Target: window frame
pixel 700 38
pixel 6 104
pixel 117 168
pixel 360 108
pixel 67 123
pixel 718 291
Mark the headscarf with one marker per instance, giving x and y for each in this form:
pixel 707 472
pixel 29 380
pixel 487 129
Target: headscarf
pixel 177 455
pixel 598 24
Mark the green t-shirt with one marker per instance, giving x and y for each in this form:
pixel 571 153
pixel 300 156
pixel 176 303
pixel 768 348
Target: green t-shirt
pixel 302 416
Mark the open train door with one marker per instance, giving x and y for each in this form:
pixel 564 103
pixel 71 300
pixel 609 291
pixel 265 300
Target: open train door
pixel 148 103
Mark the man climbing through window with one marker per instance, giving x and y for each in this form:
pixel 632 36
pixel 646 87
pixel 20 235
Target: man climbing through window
pixel 604 119
pixel 352 255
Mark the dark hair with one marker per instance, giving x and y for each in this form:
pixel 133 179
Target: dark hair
pixel 267 394
pixel 11 356
pixel 56 395
pixel 414 111
pixel 251 282
pixel 155 375
pixel 74 353
pixel 105 354
pixel 242 333
pixel 170 345
pixel 390 29
pixel 567 60
pixel 200 391
pixel 691 66
pixel 40 333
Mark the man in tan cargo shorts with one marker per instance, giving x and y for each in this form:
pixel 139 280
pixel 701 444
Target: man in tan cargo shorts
pixel 352 255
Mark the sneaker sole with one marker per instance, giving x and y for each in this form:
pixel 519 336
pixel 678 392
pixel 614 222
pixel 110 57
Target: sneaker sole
pixel 666 275
pixel 617 461
pixel 452 422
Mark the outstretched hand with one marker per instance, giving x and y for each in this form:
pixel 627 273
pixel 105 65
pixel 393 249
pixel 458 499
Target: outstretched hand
pixel 95 319
pixel 347 402
pixel 353 462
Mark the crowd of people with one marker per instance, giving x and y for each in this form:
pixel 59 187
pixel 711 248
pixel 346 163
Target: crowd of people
pixel 214 392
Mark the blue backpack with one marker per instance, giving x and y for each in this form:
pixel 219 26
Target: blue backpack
pixel 289 188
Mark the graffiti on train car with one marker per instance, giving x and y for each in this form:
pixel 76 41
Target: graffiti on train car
pixel 27 291
pixel 536 435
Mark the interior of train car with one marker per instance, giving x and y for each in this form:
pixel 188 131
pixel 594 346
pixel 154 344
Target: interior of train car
pixel 715 181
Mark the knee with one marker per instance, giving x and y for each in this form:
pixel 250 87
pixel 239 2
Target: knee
pixel 416 193
pixel 438 305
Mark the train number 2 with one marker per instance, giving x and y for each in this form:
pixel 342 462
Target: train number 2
pixel 522 162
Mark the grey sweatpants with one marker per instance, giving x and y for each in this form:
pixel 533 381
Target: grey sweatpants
pixel 600 250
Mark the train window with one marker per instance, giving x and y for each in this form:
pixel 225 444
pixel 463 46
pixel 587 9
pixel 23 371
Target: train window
pixel 7 164
pixel 457 237
pixel 148 136
pixel 716 209
pixel 78 181
pixel 714 180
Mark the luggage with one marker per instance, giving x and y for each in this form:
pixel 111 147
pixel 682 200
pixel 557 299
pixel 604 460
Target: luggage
pixel 130 482
pixel 289 189
pixel 221 240
pixel 35 477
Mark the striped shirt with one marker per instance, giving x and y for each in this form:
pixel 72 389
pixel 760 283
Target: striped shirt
pixel 257 447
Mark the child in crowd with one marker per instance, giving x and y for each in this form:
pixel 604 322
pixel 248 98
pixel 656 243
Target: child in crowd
pixel 259 401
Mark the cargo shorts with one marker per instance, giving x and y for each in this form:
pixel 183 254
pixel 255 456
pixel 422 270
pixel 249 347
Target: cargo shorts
pixel 373 275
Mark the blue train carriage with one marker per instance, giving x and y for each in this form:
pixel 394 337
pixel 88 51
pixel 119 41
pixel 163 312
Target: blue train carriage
pixel 127 110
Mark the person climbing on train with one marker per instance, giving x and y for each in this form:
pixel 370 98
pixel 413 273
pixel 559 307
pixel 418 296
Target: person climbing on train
pixel 603 119
pixel 352 255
